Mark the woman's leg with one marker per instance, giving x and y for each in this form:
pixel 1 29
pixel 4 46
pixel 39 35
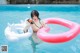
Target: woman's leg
pixel 33 44
pixel 33 47
pixel 34 41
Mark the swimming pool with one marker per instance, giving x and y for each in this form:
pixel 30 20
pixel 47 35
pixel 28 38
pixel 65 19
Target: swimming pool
pixel 15 13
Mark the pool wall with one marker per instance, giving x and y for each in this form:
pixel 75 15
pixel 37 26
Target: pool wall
pixel 67 8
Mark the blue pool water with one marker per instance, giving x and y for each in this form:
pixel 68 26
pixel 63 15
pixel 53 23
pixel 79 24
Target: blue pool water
pixel 15 13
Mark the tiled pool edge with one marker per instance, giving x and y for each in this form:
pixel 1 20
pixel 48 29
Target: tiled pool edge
pixel 28 7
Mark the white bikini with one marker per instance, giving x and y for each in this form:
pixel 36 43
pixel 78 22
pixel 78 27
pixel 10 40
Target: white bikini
pixel 34 26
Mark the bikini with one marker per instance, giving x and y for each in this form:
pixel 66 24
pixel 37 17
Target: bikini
pixel 36 26
pixel 34 37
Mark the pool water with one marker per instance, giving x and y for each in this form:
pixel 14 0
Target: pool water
pixel 13 14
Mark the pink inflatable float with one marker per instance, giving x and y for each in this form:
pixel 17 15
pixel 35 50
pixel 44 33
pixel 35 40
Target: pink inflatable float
pixel 61 37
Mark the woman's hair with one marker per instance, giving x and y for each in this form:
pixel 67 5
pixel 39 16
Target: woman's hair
pixel 36 13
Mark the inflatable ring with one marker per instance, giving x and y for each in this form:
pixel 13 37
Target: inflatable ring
pixel 15 32
pixel 61 37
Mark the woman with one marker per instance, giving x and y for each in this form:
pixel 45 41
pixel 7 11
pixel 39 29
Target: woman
pixel 36 23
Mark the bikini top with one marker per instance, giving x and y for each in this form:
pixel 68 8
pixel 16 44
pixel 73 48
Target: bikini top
pixel 36 25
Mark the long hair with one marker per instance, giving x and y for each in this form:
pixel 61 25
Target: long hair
pixel 36 13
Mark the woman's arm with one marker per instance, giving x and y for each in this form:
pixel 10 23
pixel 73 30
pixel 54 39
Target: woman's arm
pixel 43 23
pixel 26 27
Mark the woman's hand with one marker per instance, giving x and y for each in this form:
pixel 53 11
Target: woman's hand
pixel 30 21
